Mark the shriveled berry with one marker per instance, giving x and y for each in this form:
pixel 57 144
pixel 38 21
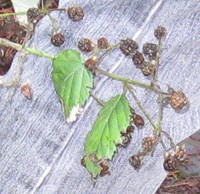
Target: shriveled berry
pixel 102 43
pixel 86 45
pixel 150 50
pixel 105 169
pixel 138 59
pixel 130 129
pixel 136 161
pixel 126 139
pixel 170 163
pixel 148 143
pixel 128 46
pixel 137 120
pixel 57 39
pixel 75 13
pixel 178 100
pixel 91 63
pixel 32 14
pixel 160 32
pixel 148 68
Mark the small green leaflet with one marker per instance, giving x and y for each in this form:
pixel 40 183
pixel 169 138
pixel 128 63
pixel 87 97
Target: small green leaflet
pixel 72 81
pixel 101 142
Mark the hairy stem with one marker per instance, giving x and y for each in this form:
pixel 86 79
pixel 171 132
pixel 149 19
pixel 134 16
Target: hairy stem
pixel 130 89
pixel 173 144
pixel 126 80
pixel 27 49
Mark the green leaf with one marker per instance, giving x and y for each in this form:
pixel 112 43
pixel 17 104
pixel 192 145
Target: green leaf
pixel 72 81
pixel 93 168
pixel 113 119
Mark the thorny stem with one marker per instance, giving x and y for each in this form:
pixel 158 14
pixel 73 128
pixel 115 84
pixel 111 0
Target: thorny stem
pixel 130 89
pixel 27 49
pixel 126 80
pixel 97 99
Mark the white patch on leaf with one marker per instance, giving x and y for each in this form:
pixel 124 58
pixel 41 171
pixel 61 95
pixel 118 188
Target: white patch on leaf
pixel 76 110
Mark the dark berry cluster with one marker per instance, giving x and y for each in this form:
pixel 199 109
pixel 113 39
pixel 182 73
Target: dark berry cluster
pixel 75 13
pixel 174 159
pixel 147 59
pixel 57 39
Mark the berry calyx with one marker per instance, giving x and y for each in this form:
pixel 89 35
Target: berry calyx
pixel 91 63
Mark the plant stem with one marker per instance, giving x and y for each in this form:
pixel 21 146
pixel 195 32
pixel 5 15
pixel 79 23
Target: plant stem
pixel 126 80
pixel 27 49
pixel 157 62
pixel 170 139
pixel 130 89
pixel 97 99
pixel 13 14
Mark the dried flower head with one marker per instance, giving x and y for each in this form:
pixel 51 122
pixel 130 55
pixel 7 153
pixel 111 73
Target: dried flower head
pixel 75 13
pixel 128 46
pixel 136 161
pixel 181 155
pixel 148 68
pixel 148 143
pixel 86 45
pixel 126 139
pixel 160 32
pixel 177 99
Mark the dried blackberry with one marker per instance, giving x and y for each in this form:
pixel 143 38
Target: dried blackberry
pixel 138 59
pixel 130 129
pixel 136 161
pixel 137 120
pixel 128 46
pixel 170 163
pixel 177 100
pixel 86 45
pixel 75 13
pixel 148 68
pixel 57 39
pixel 148 144
pixel 150 50
pixel 32 14
pixel 91 63
pixel 181 155
pixel 102 43
pixel 126 139
pixel 105 169
pixel 160 32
